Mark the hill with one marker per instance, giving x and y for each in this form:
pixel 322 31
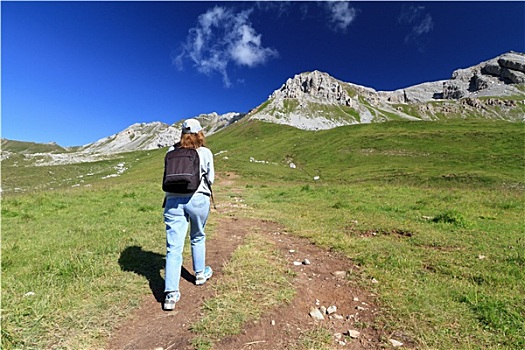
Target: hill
pixel 315 100
pixel 11 146
pixel 423 220
pixel 494 89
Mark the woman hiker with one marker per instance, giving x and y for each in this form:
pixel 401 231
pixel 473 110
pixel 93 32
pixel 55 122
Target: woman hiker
pixel 183 209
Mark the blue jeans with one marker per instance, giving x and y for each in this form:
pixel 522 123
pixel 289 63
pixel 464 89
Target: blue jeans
pixel 178 213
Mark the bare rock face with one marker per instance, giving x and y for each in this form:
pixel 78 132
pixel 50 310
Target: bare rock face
pixel 494 77
pixel 514 76
pixel 454 90
pixel 213 122
pixel 317 101
pixel 314 87
pixel 139 136
pixel 513 61
pixel 147 136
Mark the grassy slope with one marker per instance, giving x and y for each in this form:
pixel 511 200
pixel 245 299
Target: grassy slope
pixel 434 211
pixel 30 147
pixel 416 204
pixel 66 247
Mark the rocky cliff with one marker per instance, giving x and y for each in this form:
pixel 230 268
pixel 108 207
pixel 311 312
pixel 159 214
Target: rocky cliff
pixel 315 100
pixel 139 136
pixel 146 136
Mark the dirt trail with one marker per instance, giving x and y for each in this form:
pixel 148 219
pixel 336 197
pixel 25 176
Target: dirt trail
pixel 149 327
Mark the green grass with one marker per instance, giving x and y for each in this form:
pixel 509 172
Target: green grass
pixel 244 293
pixel 61 277
pixel 316 338
pixel 30 147
pixel 432 210
pixel 60 271
pixel 429 269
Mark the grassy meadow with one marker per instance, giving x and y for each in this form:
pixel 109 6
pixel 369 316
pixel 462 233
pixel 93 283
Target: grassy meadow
pixel 434 211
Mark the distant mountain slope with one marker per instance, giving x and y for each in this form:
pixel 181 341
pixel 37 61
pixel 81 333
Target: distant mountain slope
pixel 315 100
pixel 139 136
pixel 146 136
pixel 493 89
pixel 30 147
pixel 21 148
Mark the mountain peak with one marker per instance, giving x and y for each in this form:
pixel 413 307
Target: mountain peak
pixel 315 86
pixel 315 100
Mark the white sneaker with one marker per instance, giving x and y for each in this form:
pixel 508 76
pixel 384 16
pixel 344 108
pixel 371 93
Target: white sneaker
pixel 202 277
pixel 170 300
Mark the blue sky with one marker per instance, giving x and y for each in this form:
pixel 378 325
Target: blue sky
pixel 74 72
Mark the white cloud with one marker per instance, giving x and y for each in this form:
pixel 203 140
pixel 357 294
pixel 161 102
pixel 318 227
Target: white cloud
pixel 421 23
pixel 341 14
pixel 410 13
pixel 425 26
pixel 221 37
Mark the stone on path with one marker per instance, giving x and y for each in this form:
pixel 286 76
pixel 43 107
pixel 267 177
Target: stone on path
pixel 316 314
pixel 354 334
pixel 395 343
pixel 331 309
pixel 339 274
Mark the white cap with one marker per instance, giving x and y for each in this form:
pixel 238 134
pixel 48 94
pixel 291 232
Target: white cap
pixel 191 126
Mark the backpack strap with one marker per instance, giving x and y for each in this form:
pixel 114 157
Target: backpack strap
pixel 205 177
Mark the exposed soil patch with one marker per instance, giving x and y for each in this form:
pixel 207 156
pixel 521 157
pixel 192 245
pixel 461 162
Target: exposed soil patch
pixel 351 230
pixel 150 327
pixel 323 279
pixel 317 284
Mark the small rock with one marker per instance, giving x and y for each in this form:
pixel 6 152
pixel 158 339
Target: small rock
pixel 360 308
pixel 481 257
pixel 338 317
pixel 338 336
pixel 323 309
pixel 316 314
pixel 356 299
pixel 374 280
pixel 297 263
pixel 331 310
pixel 29 294
pixel 342 343
pixel 292 250
pixel 354 334
pixel 306 262
pixel 273 322
pixel 293 166
pixel 159 348
pixel 339 274
pixel 316 178
pixel 317 302
pixel 395 343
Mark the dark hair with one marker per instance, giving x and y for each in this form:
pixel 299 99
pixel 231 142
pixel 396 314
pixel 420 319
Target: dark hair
pixel 192 140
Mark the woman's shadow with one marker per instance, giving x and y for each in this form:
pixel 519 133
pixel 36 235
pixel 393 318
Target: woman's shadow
pixel 149 265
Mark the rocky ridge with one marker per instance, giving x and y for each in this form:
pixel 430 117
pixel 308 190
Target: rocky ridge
pixel 147 136
pixel 315 100
pixel 137 137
